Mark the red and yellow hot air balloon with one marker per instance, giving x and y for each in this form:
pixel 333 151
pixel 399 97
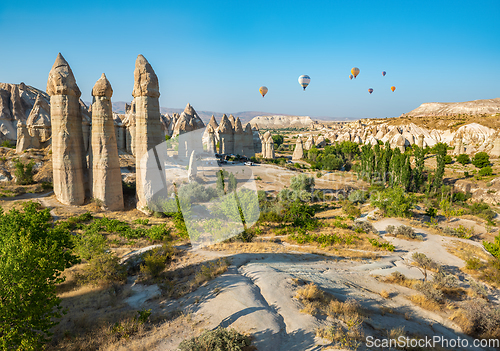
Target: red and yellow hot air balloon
pixel 263 90
pixel 370 90
pixel 350 76
pixel 355 71
pixel 393 88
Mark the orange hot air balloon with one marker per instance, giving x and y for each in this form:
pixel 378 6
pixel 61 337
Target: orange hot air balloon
pixel 355 71
pixel 263 90
pixel 370 90
pixel 393 88
pixel 350 76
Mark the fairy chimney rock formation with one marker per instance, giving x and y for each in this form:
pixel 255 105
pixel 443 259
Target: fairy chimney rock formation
pixel 211 144
pixel 148 132
pixel 23 138
pixel 67 137
pixel 247 141
pixel 106 174
pixel 298 153
pixel 268 146
pixel 226 136
pixel 420 141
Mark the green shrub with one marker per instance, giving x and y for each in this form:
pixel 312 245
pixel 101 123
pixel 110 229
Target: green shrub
pixel 494 247
pixel 220 339
pixel 144 221
pixel 7 143
pixel 486 171
pixel 158 232
pixel 357 196
pixel 394 202
pixel 386 246
pixel 473 263
pixel 195 192
pixel 481 160
pixel 350 209
pixel 448 160
pixel 24 172
pixel 102 269
pixel 405 231
pixel 431 212
pixel 156 260
pixel 90 243
pixel 302 182
pixel 463 159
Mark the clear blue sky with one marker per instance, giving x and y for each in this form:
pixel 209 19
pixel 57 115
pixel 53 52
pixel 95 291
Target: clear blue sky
pixel 216 54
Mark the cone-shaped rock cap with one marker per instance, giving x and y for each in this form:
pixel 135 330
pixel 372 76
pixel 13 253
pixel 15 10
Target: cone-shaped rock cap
pixel 225 126
pixel 61 79
pixel 213 122
pixel 145 79
pixel 102 87
pixel 189 110
pixel 238 128
pixel 248 129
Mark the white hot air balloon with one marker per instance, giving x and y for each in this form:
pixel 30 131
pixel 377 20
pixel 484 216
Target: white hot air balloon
pixel 304 81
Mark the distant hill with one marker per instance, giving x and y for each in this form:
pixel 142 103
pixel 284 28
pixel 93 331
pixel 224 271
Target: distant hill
pixel 245 116
pixel 475 107
pixel 281 121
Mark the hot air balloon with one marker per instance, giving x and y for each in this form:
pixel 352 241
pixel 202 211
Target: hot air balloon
pixel 370 90
pixel 263 90
pixel 304 81
pixel 393 88
pixel 355 71
pixel 350 76
pixel 383 73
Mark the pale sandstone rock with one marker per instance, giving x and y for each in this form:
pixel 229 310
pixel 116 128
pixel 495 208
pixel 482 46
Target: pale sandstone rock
pixel 148 133
pixel 192 169
pixel 106 174
pixel 67 137
pixel 298 153
pixel 226 136
pixel 23 138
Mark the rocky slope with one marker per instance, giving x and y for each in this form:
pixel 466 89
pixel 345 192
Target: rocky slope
pixel 475 107
pixel 277 122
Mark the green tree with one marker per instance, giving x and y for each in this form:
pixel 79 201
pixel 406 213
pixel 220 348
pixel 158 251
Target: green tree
pixel 32 258
pixel 220 185
pixel 278 140
pixel 232 183
pixel 418 174
pixel 481 160
pixel 313 153
pixel 394 201
pixel 350 149
pixel 332 162
pixel 441 149
pixel 24 172
pixel 463 159
pixel 302 182
pixel 486 171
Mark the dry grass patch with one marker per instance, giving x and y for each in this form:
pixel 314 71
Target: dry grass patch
pixel 400 279
pixel 425 303
pixel 183 280
pixel 466 251
pixel 385 294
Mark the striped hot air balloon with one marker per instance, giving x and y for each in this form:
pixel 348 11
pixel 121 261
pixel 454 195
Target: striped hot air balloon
pixel 355 71
pixel 350 76
pixel 370 90
pixel 263 90
pixel 304 81
pixel 384 73
pixel 393 88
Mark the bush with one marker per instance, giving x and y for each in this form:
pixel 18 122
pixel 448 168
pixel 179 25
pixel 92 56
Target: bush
pixel 23 173
pixel 481 160
pixel 363 226
pixel 195 192
pixel 220 339
pixel 390 229
pixel 423 263
pixel 448 160
pixel 394 202
pixel 431 212
pixel 357 196
pixel 350 209
pixel 483 319
pixel 405 231
pixel 7 143
pixel 486 171
pixel 430 292
pixel 102 269
pixel 463 159
pixel 302 182
pixel 156 260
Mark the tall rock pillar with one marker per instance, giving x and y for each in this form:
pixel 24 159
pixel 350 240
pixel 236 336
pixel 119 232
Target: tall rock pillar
pixel 67 137
pixel 106 175
pixel 148 131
